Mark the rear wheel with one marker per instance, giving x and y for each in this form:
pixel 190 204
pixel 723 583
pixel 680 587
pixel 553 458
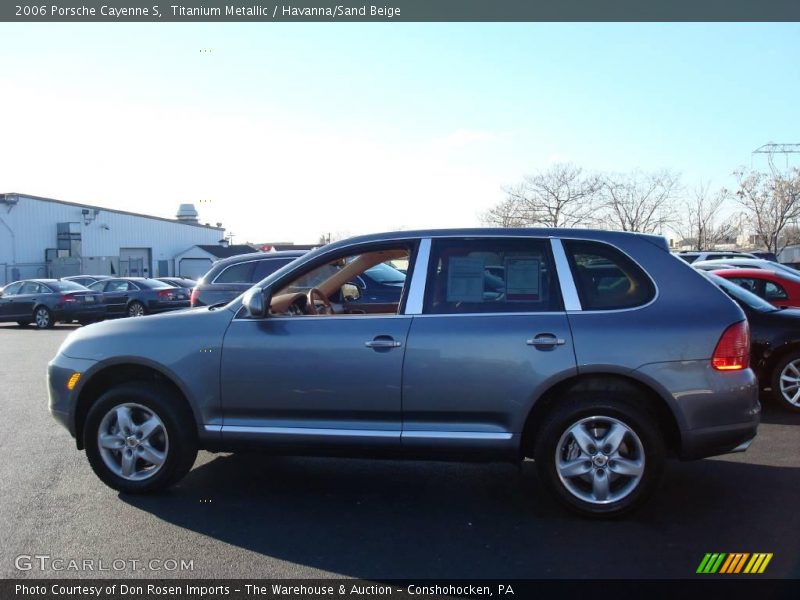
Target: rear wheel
pixel 140 437
pixel 136 309
pixel 43 318
pixel 786 382
pixel 599 455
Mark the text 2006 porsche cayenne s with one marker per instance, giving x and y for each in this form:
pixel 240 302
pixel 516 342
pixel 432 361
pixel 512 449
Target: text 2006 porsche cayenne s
pixel 597 354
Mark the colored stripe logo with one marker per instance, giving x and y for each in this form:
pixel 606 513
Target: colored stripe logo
pixel 734 563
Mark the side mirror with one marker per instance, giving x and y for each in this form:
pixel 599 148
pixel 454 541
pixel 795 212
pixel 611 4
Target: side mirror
pixel 350 292
pixel 256 302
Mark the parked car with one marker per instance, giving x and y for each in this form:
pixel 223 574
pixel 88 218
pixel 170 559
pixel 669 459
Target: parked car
pixel 47 301
pixel 690 256
pixel 179 282
pixel 779 289
pixel 139 296
pixel 230 277
pixel 744 263
pixel 774 343
pixel 85 280
pixel 601 356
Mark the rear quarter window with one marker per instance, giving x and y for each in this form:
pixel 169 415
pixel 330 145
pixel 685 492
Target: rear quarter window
pixel 606 279
pixel 265 268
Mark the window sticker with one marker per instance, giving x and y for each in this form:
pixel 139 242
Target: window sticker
pixel 523 279
pixel 465 279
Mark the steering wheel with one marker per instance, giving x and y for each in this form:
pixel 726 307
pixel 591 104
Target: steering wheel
pixel 311 305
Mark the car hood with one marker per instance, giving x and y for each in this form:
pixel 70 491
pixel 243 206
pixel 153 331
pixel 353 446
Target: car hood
pixel 161 338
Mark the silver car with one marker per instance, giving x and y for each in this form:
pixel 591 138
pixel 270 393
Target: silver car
pixel 598 354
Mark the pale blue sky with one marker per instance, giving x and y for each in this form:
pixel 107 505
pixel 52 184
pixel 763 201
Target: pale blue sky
pixel 294 129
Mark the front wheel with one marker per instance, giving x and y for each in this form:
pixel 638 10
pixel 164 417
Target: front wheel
pixel 786 382
pixel 140 437
pixel 600 456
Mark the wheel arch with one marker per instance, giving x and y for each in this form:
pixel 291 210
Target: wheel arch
pixel 653 402
pixel 106 376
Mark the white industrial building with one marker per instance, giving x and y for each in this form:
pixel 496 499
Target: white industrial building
pixel 42 237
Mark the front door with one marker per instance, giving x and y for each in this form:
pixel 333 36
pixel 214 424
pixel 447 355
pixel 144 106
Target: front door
pixel 334 379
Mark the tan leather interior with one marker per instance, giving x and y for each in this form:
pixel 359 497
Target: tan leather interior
pixel 349 272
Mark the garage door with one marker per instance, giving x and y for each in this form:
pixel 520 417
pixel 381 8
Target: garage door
pixel 193 268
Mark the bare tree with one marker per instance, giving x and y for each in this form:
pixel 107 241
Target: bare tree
pixel 772 204
pixel 637 201
pixel 703 227
pixel 561 196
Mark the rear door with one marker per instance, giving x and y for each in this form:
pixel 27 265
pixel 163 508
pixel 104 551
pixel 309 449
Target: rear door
pixel 116 296
pixel 492 334
pixel 22 304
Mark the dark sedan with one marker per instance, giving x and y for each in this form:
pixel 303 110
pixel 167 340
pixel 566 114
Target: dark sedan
pixel 179 282
pixel 139 296
pixel 46 301
pixel 774 343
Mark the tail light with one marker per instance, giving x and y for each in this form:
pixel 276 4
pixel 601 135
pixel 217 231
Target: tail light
pixel 733 349
pixel 195 294
pixel 68 298
pixel 166 294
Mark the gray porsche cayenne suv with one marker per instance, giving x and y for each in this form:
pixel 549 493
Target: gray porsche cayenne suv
pixel 598 354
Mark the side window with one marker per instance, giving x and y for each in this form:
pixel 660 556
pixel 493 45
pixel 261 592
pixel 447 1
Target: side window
pixel 264 268
pixel 491 275
pixel 29 288
pixel 606 279
pixel 97 286
pixel 748 283
pixel 13 289
pixel 118 286
pixel 775 291
pixel 238 273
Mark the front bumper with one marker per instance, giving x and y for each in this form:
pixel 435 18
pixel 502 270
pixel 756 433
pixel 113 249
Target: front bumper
pixel 62 402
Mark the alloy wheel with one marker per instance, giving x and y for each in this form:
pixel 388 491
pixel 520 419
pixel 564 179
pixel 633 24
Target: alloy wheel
pixel 136 310
pixel 600 460
pixel 790 383
pixel 42 317
pixel 133 441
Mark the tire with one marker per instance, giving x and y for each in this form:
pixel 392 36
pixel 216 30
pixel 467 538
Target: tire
pixel 136 309
pixel 785 382
pixel 597 488
pixel 43 318
pixel 173 439
pixel 23 323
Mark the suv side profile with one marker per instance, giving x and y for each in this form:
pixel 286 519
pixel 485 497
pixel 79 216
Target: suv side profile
pixel 596 353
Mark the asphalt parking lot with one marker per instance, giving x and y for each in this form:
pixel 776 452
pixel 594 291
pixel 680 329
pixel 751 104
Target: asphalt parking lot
pixel 257 516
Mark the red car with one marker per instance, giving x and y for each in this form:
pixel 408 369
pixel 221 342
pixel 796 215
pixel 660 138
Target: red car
pixel 779 289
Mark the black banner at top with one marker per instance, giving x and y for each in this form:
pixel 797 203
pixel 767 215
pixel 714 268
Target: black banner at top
pixel 396 10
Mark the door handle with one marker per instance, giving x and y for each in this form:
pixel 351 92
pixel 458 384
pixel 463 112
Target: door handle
pixel 383 342
pixel 546 339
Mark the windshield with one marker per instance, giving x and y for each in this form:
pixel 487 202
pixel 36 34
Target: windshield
pixel 740 294
pixel 384 273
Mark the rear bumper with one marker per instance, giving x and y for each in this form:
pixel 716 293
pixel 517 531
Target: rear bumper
pixel 716 412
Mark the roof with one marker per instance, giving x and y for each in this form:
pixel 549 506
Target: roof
pixel 226 251
pixel 111 210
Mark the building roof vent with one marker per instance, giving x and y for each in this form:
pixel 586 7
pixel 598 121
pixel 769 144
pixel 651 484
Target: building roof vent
pixel 187 213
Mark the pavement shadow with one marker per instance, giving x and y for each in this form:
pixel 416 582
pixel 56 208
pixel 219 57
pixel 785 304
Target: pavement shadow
pixel 395 519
